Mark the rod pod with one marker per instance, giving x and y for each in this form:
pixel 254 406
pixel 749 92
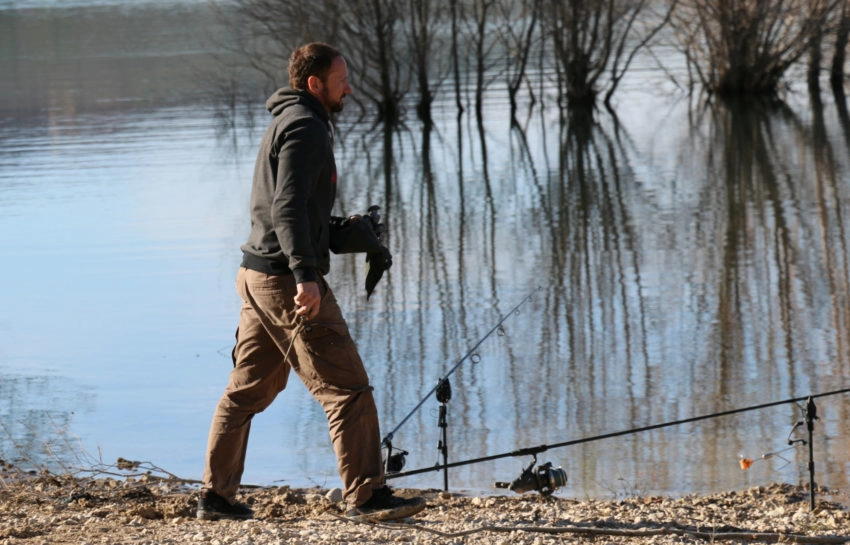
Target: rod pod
pixel 444 394
pixel 811 416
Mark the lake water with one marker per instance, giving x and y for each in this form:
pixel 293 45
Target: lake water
pixel 681 262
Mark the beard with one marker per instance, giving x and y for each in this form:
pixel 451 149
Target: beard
pixel 333 106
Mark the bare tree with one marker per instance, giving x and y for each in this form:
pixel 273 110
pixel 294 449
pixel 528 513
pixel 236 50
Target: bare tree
pixel 425 21
pixel 831 24
pixel 264 32
pixel 591 37
pixel 518 30
pixel 815 61
pixel 736 47
pixel 579 46
pixel 367 31
pixel 839 57
pixel 391 45
pixel 455 8
pixel 370 35
pixel 482 44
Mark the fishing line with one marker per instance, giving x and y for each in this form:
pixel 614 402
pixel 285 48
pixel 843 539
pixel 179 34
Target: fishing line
pixel 441 383
pixel 792 443
pixel 302 324
pixel 747 463
pixel 395 462
pixel 533 451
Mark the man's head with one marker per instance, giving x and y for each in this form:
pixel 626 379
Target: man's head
pixel 322 71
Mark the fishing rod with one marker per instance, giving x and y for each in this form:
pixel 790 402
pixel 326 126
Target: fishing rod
pixel 810 416
pixel 395 462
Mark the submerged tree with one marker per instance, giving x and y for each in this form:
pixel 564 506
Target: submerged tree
pixel 424 23
pixel 745 47
pixel 262 33
pixel 519 29
pixel 832 20
pixel 595 41
pixel 481 44
pixel 839 57
pixel 367 31
pixel 371 36
pixel 815 60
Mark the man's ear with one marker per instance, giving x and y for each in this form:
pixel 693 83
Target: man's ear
pixel 314 84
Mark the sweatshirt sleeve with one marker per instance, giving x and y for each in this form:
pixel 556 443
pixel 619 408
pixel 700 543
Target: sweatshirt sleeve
pixel 299 166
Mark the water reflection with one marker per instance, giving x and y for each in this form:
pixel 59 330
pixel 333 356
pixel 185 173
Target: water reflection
pixel 782 237
pixel 722 287
pixel 36 420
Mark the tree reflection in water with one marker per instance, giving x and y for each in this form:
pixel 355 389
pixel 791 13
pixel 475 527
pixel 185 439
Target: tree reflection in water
pixel 675 285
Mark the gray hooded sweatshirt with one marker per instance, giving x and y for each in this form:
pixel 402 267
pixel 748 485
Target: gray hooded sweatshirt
pixel 293 190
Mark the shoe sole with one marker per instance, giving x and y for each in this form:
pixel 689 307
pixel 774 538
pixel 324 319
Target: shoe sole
pixel 394 513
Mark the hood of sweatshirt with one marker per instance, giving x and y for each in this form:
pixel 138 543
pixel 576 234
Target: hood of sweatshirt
pixel 285 97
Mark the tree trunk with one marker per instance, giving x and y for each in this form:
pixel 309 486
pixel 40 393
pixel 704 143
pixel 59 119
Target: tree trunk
pixel 836 74
pixel 455 59
pixel 815 61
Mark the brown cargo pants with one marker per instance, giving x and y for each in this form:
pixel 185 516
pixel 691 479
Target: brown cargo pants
pixel 324 357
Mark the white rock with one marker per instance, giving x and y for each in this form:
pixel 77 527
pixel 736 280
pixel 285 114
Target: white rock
pixel 778 512
pixel 334 495
pixel 800 516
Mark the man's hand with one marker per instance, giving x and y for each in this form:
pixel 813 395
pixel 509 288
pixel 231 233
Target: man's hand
pixel 308 299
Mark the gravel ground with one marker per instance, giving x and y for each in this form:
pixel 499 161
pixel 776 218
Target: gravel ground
pixel 50 509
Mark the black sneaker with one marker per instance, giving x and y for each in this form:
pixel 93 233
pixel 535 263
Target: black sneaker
pixel 211 506
pixel 384 506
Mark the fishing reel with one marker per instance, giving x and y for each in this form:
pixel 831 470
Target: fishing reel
pixel 545 479
pixel 394 461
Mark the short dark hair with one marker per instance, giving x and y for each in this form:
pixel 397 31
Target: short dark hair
pixel 313 59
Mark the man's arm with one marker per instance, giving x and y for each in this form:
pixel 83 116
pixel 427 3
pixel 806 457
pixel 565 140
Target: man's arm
pixel 296 179
pixel 296 169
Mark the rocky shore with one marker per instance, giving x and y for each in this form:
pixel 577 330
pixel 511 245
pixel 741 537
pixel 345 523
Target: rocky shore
pixel 50 509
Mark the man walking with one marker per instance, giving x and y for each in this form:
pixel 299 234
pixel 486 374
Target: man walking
pixel 290 318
